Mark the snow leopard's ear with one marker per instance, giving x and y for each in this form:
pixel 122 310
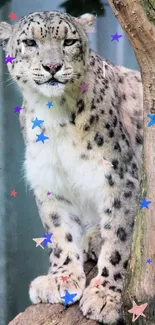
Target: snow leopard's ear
pixel 5 33
pixel 87 21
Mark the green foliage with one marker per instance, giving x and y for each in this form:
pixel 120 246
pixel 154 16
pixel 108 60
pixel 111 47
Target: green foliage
pixel 78 7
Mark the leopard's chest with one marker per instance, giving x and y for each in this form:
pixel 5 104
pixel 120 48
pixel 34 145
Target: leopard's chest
pixel 56 166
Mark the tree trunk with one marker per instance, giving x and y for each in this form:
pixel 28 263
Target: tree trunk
pixel 137 18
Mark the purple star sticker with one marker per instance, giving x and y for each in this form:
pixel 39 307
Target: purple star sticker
pixel 17 109
pixel 83 87
pixel 48 193
pixel 9 59
pixel 116 37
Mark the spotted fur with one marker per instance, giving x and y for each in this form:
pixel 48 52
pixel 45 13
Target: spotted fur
pixel 92 206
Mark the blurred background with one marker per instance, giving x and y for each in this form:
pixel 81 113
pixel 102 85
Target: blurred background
pixel 20 260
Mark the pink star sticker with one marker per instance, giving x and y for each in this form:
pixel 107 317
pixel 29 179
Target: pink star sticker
pixel 97 281
pixel 83 87
pixel 64 278
pixel 39 241
pixel 106 162
pixel 137 310
pixel 13 193
pixel 12 16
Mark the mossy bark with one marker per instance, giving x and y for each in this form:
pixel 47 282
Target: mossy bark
pixel 149 8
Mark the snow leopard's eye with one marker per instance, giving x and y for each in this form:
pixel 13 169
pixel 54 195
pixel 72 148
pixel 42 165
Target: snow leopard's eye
pixel 69 42
pixel 29 42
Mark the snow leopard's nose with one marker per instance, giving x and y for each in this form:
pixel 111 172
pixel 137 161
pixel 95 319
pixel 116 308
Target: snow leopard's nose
pixel 52 68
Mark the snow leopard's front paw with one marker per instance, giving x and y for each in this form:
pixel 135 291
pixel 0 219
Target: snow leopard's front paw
pixel 51 288
pixel 101 304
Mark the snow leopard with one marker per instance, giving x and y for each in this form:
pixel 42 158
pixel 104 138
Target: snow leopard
pixel 82 161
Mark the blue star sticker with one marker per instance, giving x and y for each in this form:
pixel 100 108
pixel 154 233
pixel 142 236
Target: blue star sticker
pixel 47 239
pixel 144 204
pixel 37 123
pixel 68 297
pixel 152 121
pixel 148 261
pixel 116 37
pixel 49 104
pixel 41 137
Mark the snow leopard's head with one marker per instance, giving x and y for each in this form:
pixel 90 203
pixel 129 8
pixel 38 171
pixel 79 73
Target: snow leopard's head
pixel 50 50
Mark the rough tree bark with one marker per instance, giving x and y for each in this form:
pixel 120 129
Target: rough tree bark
pixel 137 18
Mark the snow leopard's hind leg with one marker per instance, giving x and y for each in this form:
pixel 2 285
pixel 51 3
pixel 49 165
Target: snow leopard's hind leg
pixel 101 300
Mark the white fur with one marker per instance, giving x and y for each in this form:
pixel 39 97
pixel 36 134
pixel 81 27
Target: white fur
pixel 56 166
